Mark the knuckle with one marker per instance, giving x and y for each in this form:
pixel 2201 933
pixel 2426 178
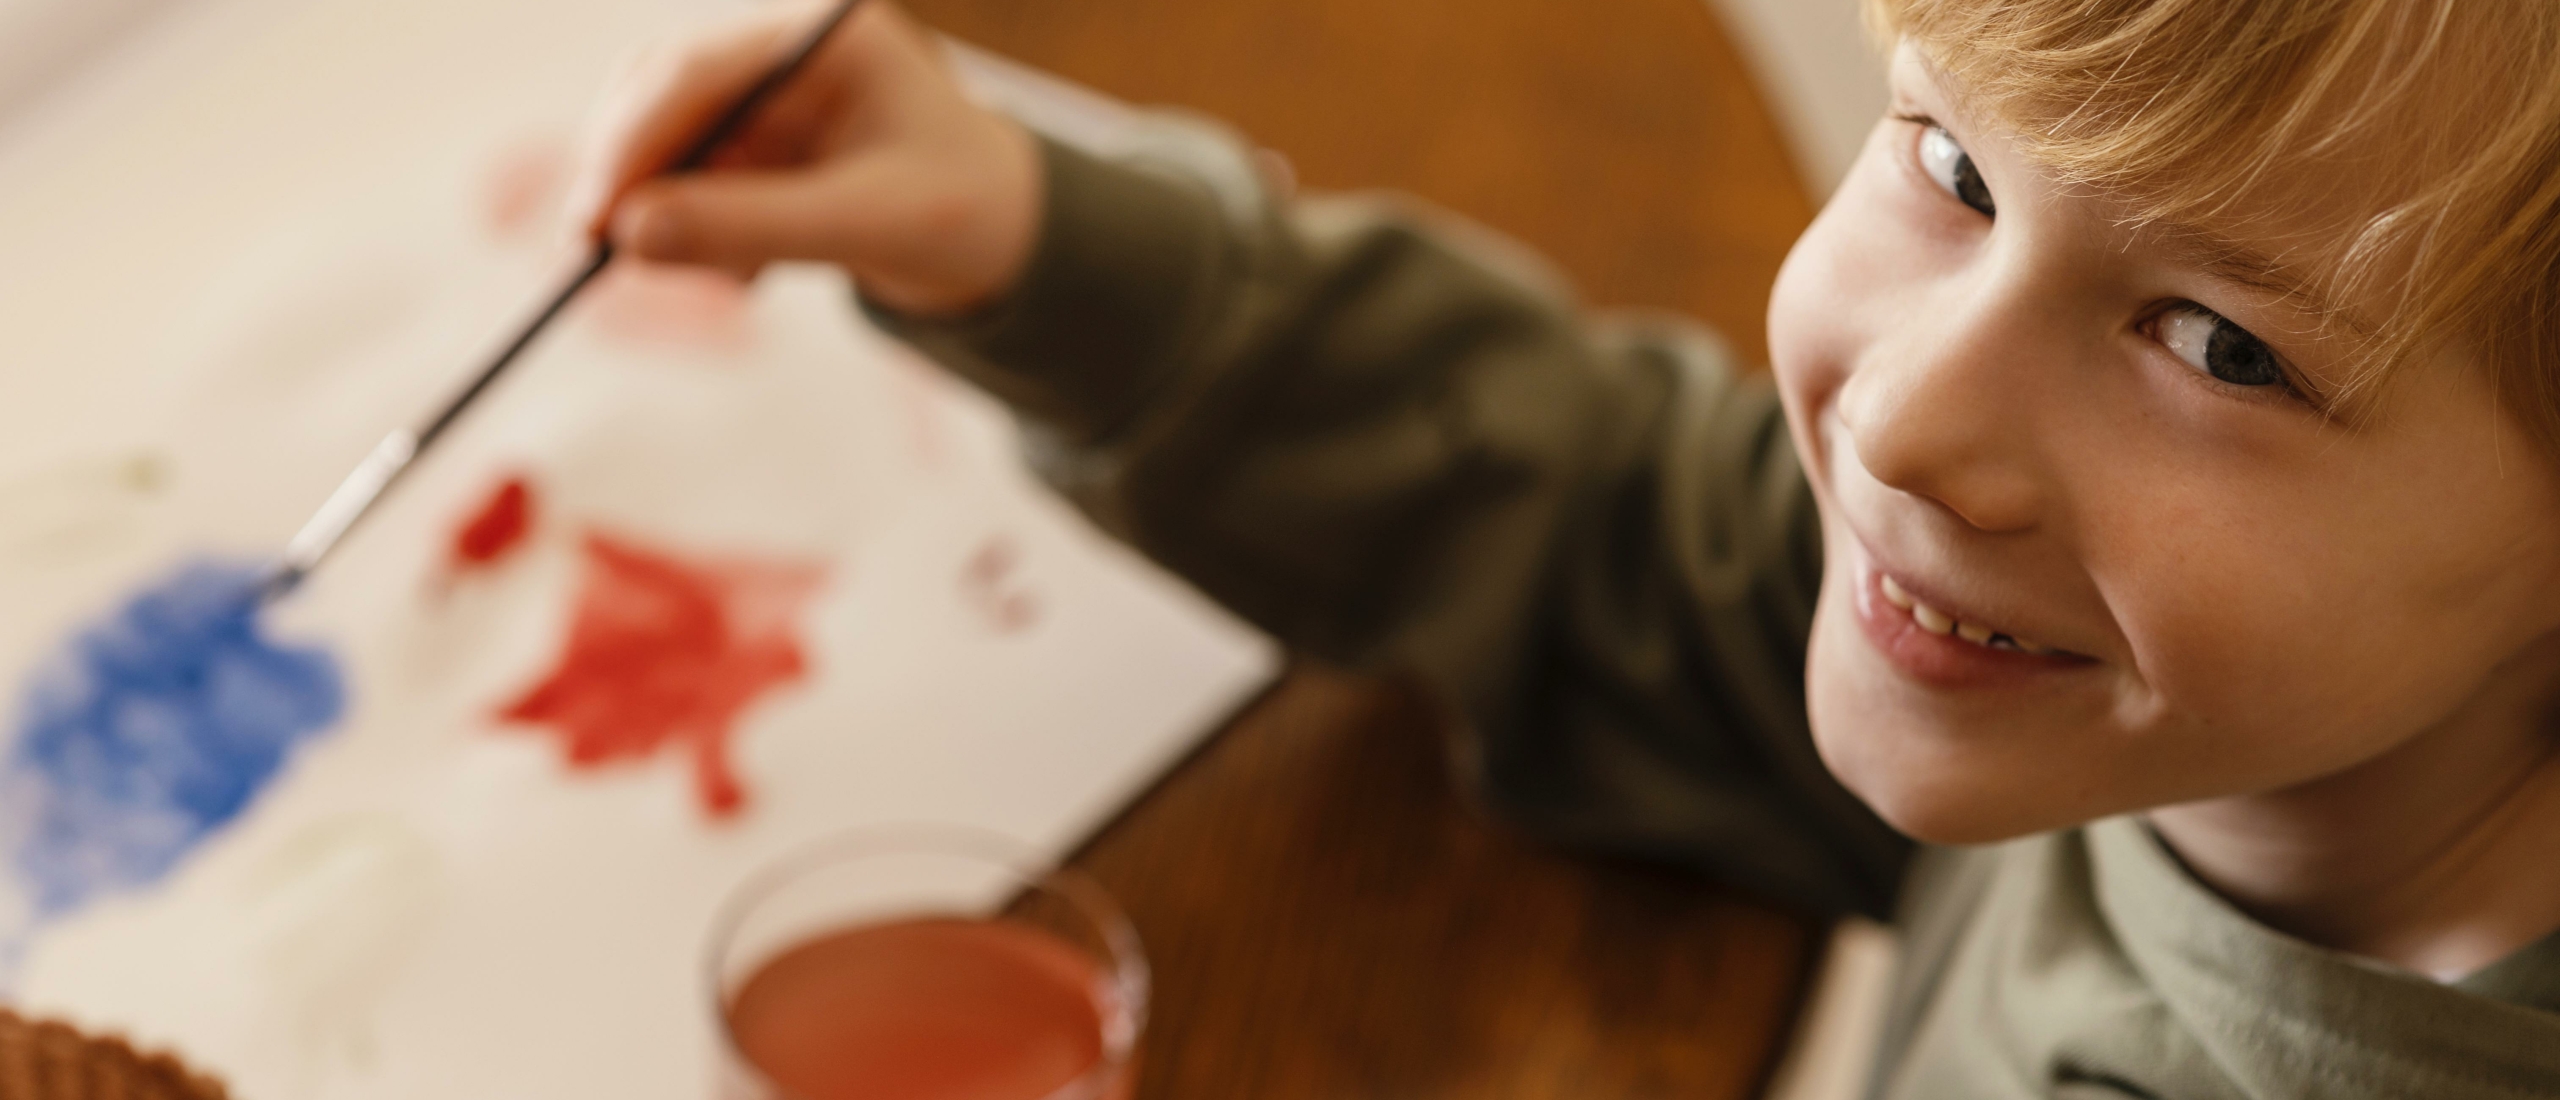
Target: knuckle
pixel 692 65
pixel 945 212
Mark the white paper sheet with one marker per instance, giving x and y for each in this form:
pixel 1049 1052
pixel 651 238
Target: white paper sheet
pixel 259 235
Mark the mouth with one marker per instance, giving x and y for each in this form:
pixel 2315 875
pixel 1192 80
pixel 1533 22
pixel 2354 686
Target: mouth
pixel 1949 648
pixel 1948 626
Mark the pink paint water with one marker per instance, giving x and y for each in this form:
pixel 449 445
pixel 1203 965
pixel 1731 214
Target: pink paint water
pixel 926 1009
pixel 665 653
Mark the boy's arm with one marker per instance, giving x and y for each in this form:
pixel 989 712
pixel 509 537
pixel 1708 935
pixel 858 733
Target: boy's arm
pixel 1401 452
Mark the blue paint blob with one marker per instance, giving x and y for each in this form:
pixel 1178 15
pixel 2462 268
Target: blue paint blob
pixel 149 732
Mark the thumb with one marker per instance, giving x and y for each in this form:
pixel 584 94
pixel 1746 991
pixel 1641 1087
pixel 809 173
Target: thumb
pixel 738 220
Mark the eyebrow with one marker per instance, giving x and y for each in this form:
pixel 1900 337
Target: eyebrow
pixel 1934 80
pixel 2231 261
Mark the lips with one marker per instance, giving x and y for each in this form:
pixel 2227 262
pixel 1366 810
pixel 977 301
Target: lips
pixel 1944 625
pixel 1944 649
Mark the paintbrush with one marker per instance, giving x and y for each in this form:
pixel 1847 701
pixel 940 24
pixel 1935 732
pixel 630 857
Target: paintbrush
pixel 365 486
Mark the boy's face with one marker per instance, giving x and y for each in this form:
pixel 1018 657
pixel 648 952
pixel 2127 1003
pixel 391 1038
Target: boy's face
pixel 2028 426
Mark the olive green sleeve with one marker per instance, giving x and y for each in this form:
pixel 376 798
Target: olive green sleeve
pixel 1394 447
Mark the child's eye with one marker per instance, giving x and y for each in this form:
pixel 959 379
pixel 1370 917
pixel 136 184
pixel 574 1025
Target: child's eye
pixel 2204 340
pixel 1948 163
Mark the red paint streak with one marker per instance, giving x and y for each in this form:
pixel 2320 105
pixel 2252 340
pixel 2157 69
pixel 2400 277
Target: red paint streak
pixel 926 1009
pixel 664 653
pixel 496 528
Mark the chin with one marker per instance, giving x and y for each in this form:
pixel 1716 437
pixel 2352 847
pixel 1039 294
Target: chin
pixel 1936 810
pixel 1931 784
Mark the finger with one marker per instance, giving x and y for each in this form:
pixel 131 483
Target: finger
pixel 665 102
pixel 664 99
pixel 740 220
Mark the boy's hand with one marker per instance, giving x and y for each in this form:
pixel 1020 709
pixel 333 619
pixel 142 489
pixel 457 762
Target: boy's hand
pixel 871 159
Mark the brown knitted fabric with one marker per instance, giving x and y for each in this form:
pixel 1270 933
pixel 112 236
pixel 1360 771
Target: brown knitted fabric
pixel 43 1060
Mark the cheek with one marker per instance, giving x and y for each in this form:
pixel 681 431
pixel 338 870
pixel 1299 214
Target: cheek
pixel 1832 287
pixel 1816 290
pixel 2274 632
pixel 2326 621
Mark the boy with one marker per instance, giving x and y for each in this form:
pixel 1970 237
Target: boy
pixel 2158 517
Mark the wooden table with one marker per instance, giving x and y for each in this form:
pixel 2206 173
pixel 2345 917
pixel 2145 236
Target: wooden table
pixel 1327 918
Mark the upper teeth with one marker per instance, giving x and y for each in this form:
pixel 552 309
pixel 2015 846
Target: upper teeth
pixel 1940 623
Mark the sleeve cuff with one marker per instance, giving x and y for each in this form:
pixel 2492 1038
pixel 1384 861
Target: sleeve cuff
pixel 1105 309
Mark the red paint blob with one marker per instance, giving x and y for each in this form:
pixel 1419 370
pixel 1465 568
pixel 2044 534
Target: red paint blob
pixel 664 653
pixel 497 527
pixel 523 188
pixel 929 1009
pixel 991 582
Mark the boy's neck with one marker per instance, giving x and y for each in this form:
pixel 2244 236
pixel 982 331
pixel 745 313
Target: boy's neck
pixel 2435 856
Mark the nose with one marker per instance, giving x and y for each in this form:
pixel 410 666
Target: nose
pixel 1946 414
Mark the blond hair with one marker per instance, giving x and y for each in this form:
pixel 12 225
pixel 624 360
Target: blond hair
pixel 2447 111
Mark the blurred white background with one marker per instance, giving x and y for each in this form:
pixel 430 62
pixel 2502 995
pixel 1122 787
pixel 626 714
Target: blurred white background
pixel 1823 79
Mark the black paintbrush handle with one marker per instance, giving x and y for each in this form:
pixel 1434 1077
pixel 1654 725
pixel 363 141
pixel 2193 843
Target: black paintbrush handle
pixel 392 458
pixel 730 121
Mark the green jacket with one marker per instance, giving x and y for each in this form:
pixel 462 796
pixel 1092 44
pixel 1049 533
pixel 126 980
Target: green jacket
pixel 1395 444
